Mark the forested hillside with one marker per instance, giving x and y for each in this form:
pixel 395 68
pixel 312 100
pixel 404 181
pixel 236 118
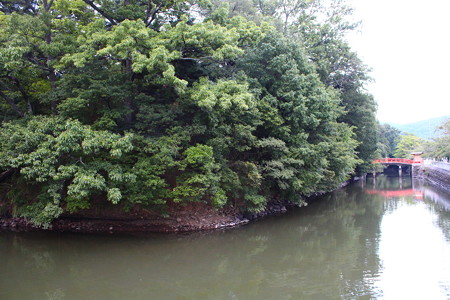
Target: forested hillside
pixel 230 103
pixel 425 129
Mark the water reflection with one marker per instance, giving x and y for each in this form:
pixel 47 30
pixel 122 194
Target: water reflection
pixel 414 244
pixel 394 187
pixel 333 249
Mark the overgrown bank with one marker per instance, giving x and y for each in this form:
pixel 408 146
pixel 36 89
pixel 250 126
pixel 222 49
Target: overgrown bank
pixel 156 107
pixel 106 218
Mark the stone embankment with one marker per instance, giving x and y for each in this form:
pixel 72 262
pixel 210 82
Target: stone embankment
pixel 437 176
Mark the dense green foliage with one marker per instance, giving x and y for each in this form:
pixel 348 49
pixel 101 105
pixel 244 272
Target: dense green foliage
pixel 388 137
pixel 333 60
pixel 139 103
pixel 407 144
pixel 393 143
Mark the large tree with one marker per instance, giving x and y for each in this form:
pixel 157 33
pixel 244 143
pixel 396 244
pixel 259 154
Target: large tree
pixel 138 104
pixel 388 138
pixel 325 45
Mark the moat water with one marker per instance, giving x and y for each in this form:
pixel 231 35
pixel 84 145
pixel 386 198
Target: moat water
pixel 379 239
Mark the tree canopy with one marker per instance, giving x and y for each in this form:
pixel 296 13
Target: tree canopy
pixel 407 144
pixel 152 102
pixel 388 137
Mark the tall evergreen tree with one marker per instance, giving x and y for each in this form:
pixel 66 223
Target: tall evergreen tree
pixel 139 104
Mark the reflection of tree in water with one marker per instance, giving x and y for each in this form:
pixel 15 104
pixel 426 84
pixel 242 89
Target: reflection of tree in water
pixel 443 221
pixel 26 260
pixel 362 230
pixel 324 250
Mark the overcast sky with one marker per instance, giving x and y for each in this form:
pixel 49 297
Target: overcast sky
pixel 407 44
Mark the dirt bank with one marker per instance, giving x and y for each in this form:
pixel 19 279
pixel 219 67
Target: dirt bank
pixel 190 217
pixel 106 218
pixel 179 218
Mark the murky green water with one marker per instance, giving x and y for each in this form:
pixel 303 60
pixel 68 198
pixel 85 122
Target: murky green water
pixel 388 241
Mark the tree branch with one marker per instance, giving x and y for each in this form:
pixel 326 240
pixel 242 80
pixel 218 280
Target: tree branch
pixel 100 11
pixel 152 10
pixel 199 59
pixel 22 91
pixel 13 105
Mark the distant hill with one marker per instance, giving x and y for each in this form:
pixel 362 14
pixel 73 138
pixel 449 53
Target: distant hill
pixel 425 129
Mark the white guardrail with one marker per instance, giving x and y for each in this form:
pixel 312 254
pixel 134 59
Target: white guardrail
pixel 438 164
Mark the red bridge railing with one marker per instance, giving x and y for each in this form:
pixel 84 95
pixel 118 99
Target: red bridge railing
pixel 396 161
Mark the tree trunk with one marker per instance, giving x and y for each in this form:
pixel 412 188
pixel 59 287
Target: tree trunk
pixel 12 104
pixel 49 58
pixel 8 173
pixel 129 117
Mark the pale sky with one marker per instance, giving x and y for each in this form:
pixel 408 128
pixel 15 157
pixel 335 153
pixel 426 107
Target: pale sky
pixel 407 45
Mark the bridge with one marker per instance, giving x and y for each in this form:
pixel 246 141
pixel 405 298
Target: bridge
pixel 397 161
pixel 401 162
